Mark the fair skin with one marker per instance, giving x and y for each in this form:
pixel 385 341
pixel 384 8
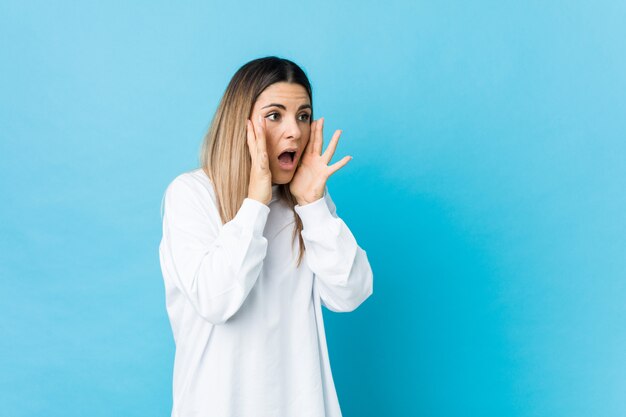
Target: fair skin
pixel 272 129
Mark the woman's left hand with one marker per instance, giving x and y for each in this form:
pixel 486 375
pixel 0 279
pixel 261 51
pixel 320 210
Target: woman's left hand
pixel 309 180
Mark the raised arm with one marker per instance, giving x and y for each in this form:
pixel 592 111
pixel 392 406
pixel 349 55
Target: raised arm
pixel 214 267
pixel 340 265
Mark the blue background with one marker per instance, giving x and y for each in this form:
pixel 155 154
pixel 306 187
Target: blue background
pixel 487 187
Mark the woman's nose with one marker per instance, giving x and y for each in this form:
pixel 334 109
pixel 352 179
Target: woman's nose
pixel 292 129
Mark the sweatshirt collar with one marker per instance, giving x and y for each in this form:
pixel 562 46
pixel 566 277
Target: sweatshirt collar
pixel 275 192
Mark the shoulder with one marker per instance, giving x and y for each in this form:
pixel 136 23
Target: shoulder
pixel 194 182
pixel 190 188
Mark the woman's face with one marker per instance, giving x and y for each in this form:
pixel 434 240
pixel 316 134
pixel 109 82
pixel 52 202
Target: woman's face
pixel 287 111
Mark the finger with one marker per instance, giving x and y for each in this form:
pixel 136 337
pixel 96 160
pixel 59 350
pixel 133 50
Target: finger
pixel 332 146
pixel 263 157
pixel 319 141
pixel 250 138
pixel 309 144
pixel 260 135
pixel 337 165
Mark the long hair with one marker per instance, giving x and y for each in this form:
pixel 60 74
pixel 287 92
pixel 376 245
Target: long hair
pixel 224 155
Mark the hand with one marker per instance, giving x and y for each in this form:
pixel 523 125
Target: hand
pixel 260 186
pixel 309 181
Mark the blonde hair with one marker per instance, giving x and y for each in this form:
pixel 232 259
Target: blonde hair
pixel 224 155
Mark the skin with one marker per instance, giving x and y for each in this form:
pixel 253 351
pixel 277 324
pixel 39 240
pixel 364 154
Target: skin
pixel 270 130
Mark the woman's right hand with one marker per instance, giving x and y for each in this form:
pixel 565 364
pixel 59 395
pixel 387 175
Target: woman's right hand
pixel 260 187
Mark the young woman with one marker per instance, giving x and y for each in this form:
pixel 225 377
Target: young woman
pixel 243 301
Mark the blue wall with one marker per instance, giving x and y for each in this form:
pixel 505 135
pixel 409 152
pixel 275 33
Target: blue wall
pixel 487 187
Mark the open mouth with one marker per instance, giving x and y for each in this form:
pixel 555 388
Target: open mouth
pixel 286 159
pixel 287 156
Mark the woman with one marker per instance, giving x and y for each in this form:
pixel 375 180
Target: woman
pixel 244 307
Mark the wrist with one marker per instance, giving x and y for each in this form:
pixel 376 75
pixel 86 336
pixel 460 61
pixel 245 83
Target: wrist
pixel 259 199
pixel 302 202
pixel 308 200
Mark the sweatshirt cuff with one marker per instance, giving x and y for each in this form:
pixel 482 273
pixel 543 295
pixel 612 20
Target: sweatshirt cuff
pixel 316 216
pixel 252 215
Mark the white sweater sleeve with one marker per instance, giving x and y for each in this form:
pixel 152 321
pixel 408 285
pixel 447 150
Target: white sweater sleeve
pixel 214 268
pixel 340 265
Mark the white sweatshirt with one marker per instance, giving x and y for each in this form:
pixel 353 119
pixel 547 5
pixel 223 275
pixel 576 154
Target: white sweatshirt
pixel 246 322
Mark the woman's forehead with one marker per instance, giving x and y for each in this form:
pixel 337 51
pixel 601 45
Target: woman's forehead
pixel 283 93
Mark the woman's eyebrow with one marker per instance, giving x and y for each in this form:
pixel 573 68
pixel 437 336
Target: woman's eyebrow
pixel 304 106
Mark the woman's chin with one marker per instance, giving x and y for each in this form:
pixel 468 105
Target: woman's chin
pixel 282 177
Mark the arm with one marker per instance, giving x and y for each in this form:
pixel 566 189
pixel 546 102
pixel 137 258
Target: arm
pixel 340 265
pixel 214 268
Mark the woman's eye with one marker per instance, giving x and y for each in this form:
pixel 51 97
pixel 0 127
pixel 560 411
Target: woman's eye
pixel 303 117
